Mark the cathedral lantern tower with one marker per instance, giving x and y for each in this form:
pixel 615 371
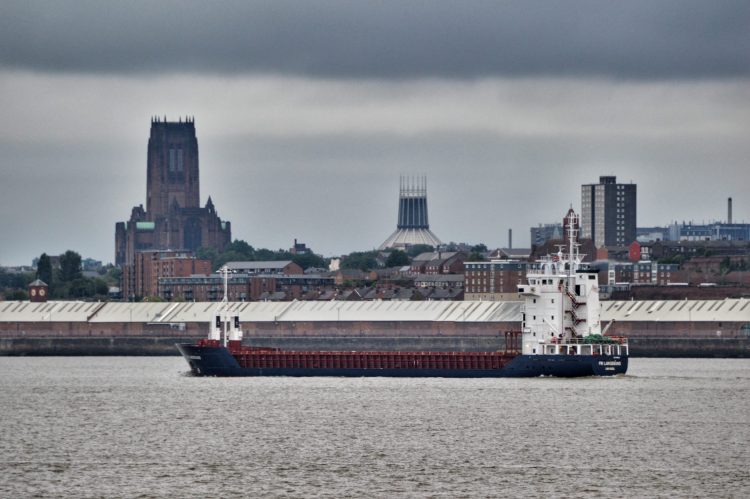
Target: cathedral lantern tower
pixel 413 225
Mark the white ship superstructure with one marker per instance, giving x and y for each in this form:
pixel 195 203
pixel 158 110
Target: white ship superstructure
pixel 560 315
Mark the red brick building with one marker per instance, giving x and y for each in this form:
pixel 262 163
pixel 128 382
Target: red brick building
pixel 243 287
pixel 141 279
pixel 494 281
pixel 439 263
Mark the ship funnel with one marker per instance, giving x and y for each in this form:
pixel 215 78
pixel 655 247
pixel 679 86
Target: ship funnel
pixel 215 329
pixel 236 332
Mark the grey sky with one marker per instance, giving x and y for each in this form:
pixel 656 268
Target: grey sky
pixel 385 39
pixel 307 113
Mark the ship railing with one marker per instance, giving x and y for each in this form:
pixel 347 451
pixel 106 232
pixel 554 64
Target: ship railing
pixel 606 340
pixel 584 349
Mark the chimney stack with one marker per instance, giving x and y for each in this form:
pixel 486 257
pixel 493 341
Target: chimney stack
pixel 729 210
pixel 510 238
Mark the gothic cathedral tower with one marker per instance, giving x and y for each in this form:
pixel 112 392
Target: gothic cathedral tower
pixel 173 218
pixel 172 171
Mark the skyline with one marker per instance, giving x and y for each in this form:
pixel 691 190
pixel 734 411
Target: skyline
pixel 303 132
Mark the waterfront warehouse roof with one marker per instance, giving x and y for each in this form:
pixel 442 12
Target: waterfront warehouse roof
pixel 50 311
pixel 728 310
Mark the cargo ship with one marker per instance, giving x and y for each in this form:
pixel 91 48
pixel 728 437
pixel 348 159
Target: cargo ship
pixel 561 335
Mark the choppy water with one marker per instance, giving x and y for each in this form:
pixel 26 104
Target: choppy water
pixel 139 427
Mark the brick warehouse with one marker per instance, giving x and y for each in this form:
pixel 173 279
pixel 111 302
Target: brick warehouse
pixel 670 328
pixel 173 218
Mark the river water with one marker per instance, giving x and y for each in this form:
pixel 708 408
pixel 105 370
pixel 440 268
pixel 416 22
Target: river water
pixel 142 427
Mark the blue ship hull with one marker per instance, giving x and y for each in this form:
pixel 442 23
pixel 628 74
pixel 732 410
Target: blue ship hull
pixel 218 361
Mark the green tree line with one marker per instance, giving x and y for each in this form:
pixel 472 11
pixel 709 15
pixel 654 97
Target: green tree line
pixel 241 251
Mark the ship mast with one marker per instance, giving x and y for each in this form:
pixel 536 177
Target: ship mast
pixel 573 258
pixel 221 310
pixel 573 262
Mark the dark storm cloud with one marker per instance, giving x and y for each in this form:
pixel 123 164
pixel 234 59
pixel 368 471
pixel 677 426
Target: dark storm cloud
pixel 630 39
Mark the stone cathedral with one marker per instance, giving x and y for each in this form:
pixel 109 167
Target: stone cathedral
pixel 173 218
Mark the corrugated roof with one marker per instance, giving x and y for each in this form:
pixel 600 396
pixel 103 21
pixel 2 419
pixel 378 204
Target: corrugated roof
pixel 729 310
pixel 131 312
pixel 51 311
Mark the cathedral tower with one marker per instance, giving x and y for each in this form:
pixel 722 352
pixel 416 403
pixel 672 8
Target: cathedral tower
pixel 173 218
pixel 413 226
pixel 172 167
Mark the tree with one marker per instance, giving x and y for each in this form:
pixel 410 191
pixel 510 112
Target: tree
pixel 18 295
pixel 241 247
pixel 81 288
pixel 475 257
pixel 70 266
pixel 362 260
pixel 44 269
pixel 479 248
pixel 264 254
pixel 205 253
pixel 13 280
pixel 114 275
pixel 397 258
pixel 101 288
